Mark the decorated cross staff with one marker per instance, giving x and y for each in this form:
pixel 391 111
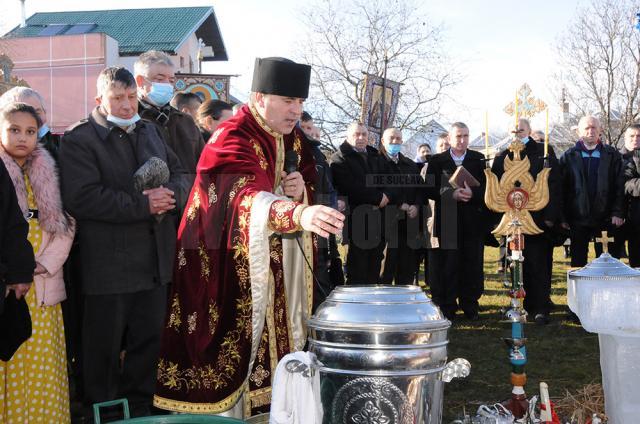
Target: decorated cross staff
pixel 515 196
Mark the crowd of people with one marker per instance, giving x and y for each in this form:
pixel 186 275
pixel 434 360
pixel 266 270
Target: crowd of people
pixel 169 250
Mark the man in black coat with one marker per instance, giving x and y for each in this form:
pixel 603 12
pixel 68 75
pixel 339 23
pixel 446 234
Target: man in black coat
pixel 126 240
pixel 538 250
pixel 456 267
pixel 16 254
pixel 631 155
pixel 354 168
pixel 592 191
pixel 402 223
pixel 328 271
pixel 155 76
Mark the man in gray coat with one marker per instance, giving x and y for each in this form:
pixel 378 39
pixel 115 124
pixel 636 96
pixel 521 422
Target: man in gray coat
pixel 127 234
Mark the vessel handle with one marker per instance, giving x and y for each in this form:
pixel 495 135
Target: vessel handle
pixel 295 366
pixel 458 368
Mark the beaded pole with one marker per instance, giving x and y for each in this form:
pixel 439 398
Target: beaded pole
pixel 516 195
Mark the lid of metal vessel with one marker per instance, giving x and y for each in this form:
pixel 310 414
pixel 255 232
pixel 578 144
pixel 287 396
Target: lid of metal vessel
pixel 606 266
pixel 377 305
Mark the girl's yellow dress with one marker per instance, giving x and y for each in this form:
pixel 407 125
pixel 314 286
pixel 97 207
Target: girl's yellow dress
pixel 34 386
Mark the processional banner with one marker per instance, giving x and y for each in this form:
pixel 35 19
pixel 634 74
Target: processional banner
pixel 371 105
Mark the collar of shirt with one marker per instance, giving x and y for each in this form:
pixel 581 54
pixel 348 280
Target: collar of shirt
pixel 457 159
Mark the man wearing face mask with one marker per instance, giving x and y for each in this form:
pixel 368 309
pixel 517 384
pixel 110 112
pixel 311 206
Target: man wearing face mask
pixel 538 249
pixel 402 226
pixel 155 75
pixel 31 97
pixel 126 250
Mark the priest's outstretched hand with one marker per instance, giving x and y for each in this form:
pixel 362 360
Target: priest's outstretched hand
pixel 322 220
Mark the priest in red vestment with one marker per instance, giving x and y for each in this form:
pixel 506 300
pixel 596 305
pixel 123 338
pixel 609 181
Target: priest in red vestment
pixel 243 282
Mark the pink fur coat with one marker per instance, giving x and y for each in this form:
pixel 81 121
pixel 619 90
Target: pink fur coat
pixel 57 226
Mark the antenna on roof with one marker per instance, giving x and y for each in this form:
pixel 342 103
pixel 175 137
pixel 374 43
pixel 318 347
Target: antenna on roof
pixel 23 23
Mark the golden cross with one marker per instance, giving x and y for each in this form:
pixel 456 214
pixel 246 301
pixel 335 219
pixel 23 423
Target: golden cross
pixel 528 105
pixel 516 147
pixel 604 240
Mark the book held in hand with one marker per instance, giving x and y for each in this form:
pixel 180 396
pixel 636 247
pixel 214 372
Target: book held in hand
pixel 460 176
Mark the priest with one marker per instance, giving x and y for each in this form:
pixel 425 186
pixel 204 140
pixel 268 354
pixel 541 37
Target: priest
pixel 243 279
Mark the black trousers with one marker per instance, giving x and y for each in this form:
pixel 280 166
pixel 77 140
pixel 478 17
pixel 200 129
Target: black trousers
pixel 633 247
pixel 403 241
pixel 536 274
pixel 457 274
pixel 580 238
pixel 137 318
pixel 366 245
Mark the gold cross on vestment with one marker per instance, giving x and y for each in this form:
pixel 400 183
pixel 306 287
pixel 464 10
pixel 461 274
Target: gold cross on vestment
pixel 604 240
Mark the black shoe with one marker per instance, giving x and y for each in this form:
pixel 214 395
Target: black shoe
pixel 541 319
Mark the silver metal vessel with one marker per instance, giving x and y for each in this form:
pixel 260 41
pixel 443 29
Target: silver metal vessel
pixel 382 355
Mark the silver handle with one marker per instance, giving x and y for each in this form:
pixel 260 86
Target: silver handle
pixel 458 368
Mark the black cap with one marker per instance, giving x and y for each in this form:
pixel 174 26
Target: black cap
pixel 280 76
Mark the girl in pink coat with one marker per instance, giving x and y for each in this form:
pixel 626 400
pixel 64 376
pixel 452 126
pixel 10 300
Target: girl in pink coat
pixel 33 384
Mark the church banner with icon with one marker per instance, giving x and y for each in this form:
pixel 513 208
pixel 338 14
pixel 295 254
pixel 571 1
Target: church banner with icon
pixel 371 106
pixel 207 87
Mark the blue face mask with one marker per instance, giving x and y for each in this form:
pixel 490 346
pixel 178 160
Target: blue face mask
pixel 160 94
pixel 393 149
pixel 524 139
pixel 42 131
pixel 123 123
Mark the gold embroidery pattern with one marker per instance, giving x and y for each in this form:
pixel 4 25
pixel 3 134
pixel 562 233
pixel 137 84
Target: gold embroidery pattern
pixel 280 219
pixel 275 249
pixel 262 349
pixel 260 397
pixel 241 182
pixel 215 135
pixel 261 158
pixel 297 146
pixel 281 324
pixel 192 320
pixel 182 260
pixel 191 378
pixel 214 316
pixel 169 375
pixel 213 197
pixel 204 261
pixel 174 316
pixel 259 375
pixel 194 206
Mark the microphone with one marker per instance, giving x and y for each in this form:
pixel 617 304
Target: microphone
pixel 290 161
pixel 153 173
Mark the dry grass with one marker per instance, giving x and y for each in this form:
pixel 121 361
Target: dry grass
pixel 561 353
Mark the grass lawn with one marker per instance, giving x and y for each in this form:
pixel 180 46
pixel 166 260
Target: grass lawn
pixel 561 353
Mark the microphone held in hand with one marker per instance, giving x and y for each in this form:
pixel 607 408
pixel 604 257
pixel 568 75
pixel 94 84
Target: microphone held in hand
pixel 152 174
pixel 290 161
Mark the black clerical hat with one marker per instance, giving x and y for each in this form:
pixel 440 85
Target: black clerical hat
pixel 15 325
pixel 280 76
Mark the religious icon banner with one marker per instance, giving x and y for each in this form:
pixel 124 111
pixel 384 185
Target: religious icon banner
pixel 372 106
pixel 207 87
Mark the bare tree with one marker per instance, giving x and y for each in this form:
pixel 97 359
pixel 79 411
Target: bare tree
pixel 600 57
pixel 347 38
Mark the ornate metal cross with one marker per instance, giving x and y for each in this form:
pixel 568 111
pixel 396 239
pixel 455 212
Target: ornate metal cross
pixel 528 106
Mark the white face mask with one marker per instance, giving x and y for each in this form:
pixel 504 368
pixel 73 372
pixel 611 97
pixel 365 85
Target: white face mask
pixel 121 122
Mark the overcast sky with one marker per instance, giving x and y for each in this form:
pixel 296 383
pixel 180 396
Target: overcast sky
pixel 500 44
